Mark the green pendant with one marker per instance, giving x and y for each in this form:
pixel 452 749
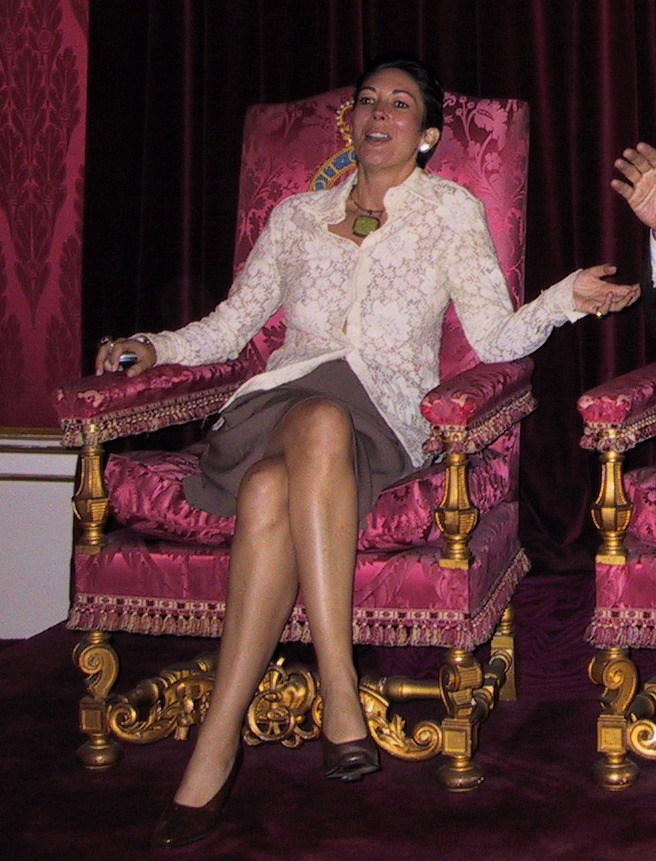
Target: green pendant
pixel 365 224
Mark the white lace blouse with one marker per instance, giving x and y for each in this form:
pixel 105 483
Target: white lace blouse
pixel 379 305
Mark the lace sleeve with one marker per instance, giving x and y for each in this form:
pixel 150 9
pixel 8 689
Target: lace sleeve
pixel 254 296
pixel 494 329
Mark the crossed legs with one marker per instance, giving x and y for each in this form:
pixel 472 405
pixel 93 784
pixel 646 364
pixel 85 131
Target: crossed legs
pixel 296 527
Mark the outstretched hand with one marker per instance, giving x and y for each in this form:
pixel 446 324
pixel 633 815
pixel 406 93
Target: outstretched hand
pixel 594 295
pixel 639 167
pixel 107 357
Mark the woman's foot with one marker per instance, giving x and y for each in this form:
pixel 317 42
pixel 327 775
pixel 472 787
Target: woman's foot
pixel 182 824
pixel 342 718
pixel 350 760
pixel 349 752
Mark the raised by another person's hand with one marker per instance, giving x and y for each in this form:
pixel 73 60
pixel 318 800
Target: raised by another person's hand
pixel 639 190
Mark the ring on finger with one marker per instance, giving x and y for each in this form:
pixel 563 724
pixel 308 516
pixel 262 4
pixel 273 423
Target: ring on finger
pixel 106 339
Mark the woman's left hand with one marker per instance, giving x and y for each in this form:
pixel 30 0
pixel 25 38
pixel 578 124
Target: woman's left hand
pixel 594 295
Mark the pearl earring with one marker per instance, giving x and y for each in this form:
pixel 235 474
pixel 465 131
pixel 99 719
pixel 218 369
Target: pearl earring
pixel 424 147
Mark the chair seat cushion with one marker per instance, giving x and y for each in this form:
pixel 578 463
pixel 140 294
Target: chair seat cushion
pixel 401 598
pixel 146 493
pixel 625 602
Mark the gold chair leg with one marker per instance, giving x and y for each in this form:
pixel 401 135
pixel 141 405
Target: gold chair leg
pixel 287 707
pixel 95 656
pixel 613 669
pixel 504 645
pixel 460 676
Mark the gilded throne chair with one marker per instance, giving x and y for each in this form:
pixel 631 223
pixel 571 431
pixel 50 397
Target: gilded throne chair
pixel 618 416
pixel 439 557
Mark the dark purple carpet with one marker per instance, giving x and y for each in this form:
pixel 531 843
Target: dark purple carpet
pixel 538 800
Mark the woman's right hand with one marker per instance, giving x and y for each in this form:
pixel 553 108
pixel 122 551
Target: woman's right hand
pixel 107 358
pixel 592 294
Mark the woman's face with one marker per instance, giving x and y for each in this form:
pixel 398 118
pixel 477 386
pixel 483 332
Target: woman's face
pixel 387 121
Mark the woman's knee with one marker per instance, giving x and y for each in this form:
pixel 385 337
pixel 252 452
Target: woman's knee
pixel 263 492
pixel 320 429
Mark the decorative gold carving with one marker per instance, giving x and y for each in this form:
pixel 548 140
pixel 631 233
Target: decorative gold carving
pixel 96 658
pixel 642 738
pixel 641 733
pixel 460 675
pixel 627 718
pixel 282 707
pixel 90 500
pixel 613 669
pixel 426 740
pixel 456 516
pixel 611 511
pixel 287 707
pixel 343 124
pixel 165 705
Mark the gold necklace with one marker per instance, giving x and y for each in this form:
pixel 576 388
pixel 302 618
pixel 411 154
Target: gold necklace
pixel 365 224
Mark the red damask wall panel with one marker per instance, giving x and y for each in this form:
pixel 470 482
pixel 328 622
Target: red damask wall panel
pixel 43 69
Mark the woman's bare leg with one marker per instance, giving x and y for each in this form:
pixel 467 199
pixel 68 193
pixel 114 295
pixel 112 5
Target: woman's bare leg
pixel 296 523
pixel 261 592
pixel 316 441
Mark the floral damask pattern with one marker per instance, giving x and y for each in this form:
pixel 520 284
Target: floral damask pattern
pixel 11 355
pixel 618 415
pixel 43 45
pixel 621 412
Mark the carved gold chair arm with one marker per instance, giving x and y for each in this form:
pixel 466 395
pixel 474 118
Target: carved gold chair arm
pixel 456 516
pixel 90 499
pixel 611 511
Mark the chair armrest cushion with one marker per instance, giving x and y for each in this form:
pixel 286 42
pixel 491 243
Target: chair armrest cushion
pixel 97 409
pixel 471 410
pixel 621 413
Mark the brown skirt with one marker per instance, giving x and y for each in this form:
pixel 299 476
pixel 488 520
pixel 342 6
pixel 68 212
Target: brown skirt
pixel 250 420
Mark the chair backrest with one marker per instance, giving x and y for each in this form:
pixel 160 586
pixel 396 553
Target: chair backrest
pixel 295 146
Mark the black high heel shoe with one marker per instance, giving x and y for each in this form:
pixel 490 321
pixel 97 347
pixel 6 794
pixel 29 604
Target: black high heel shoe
pixel 181 825
pixel 350 760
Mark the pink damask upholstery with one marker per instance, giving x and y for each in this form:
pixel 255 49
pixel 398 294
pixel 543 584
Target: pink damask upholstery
pixel 147 495
pixel 165 570
pixel 619 415
pixel 641 490
pixel 401 598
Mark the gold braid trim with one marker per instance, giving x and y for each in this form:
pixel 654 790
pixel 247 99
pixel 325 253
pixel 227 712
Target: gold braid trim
pixel 143 418
pixel 393 627
pixel 484 430
pixel 605 436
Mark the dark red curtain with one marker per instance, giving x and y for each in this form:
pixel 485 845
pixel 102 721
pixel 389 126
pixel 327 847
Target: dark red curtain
pixel 169 82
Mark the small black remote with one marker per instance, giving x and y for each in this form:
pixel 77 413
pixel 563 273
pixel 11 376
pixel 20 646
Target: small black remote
pixel 127 359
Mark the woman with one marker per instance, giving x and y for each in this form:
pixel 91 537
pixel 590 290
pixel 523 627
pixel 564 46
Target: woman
pixel 364 272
